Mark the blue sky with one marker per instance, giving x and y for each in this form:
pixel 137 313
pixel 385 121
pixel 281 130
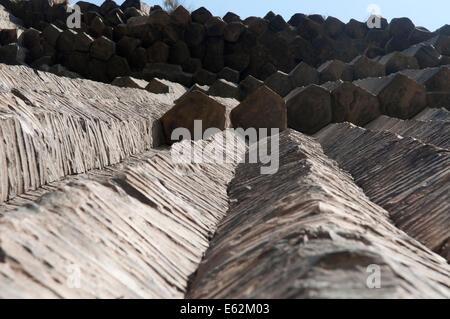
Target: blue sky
pixel 431 14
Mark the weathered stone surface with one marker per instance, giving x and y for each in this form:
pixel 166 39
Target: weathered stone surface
pixel 297 18
pixel 60 70
pixel 230 17
pixel 420 35
pixel 309 29
pixel 137 4
pixel 78 112
pixel 441 43
pixel 126 45
pixel 78 61
pixel 379 163
pixel 401 27
pixel 137 26
pixel 378 37
pixel 434 79
pixel 179 53
pixel 131 12
pixel 66 41
pixel 115 16
pixel 262 109
pixel 280 83
pixel 399 95
pixel 158 52
pixel 398 61
pixel 313 236
pixel 335 70
pixel 97 27
pixel 445 30
pixel 309 109
pixel 119 222
pixel 445 60
pixel 194 106
pixel 278 23
pixel 8 36
pixel 204 77
pixel 83 42
pixel 159 18
pixel 233 31
pixel 374 53
pixel 102 48
pixel 229 75
pixel 248 85
pixel 237 61
pixel 158 87
pixel 7 20
pixel 169 72
pixel 43 63
pixel 117 66
pixel 433 115
pixel 331 85
pixel 256 25
pixel 180 15
pixel 356 29
pixel 304 74
pixel 214 55
pixel 224 88
pixel 13 54
pixel 215 27
pixel 363 67
pixel 129 82
pixel 426 55
pixel 201 15
pixel 438 100
pixel 192 65
pixel 195 34
pixel 429 132
pixel 51 33
pixel 334 26
pixel 351 103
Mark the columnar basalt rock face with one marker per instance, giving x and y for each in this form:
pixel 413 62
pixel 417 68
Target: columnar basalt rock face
pixel 433 115
pixel 335 70
pixel 130 82
pixel 438 99
pixel 426 55
pixel 434 79
pixel 309 109
pixel 398 61
pixel 248 85
pixel 280 83
pixel 59 126
pixel 351 103
pixel 399 95
pixel 386 166
pixel 132 235
pixel 224 88
pixel 310 237
pixel 262 109
pixel 78 161
pixel 303 75
pixel 430 132
pixel 194 106
pixel 363 67
pixel 254 46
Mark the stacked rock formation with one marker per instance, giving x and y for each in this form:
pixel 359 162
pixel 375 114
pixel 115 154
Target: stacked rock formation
pixel 96 191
